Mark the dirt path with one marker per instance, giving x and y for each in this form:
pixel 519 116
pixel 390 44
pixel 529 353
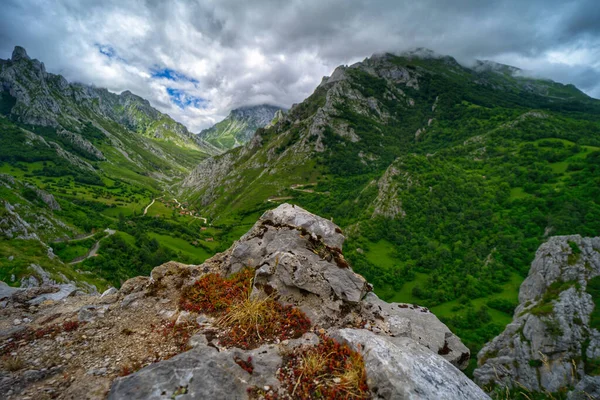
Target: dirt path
pixel 274 199
pixel 148 206
pixel 94 248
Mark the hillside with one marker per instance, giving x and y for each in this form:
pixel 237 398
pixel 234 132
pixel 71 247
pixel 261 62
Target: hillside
pixel 446 178
pixel 239 126
pixel 76 160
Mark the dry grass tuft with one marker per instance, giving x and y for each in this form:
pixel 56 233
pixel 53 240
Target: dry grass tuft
pixel 329 370
pixel 12 364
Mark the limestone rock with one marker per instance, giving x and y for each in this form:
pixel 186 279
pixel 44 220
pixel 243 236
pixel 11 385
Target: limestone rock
pixel 403 369
pixel 542 348
pixel 419 324
pixel 201 373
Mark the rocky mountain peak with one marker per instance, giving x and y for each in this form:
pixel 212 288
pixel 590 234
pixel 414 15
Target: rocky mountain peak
pixel 19 53
pixel 239 126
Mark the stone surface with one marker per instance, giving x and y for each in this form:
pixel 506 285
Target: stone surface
pixel 403 369
pixel 205 372
pixel 421 325
pixel 542 347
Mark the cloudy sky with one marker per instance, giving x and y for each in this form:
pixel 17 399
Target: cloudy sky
pixel 196 60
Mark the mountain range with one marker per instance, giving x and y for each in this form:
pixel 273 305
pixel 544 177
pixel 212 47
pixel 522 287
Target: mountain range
pixel 444 178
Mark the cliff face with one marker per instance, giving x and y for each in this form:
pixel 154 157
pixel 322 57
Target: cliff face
pixel 553 342
pixel 79 345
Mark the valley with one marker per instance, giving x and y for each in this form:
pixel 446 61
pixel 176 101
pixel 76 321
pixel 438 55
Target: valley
pixel 444 179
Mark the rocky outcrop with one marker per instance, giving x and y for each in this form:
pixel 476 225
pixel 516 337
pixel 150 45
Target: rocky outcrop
pixel 402 369
pixel 81 144
pixel 551 342
pixel 297 259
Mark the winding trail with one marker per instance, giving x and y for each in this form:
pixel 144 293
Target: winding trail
pixel 92 252
pixel 148 206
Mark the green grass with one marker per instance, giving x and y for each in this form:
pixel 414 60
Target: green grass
pixel 27 252
pixel 159 209
pixel 559 167
pixel 404 295
pixel 197 255
pixel 510 291
pixel 380 253
pixel 517 193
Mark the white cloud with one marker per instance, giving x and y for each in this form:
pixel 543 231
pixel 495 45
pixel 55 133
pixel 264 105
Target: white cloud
pixel 234 52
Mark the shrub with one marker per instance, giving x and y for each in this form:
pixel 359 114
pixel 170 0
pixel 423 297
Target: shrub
pixel 256 321
pixel 247 323
pixel 212 293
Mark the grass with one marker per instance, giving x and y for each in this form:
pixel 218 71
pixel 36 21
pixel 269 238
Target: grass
pixel 517 193
pixel 248 322
pixel 380 253
pixel 256 321
pixel 27 252
pixel 510 292
pixel 329 370
pixel 197 255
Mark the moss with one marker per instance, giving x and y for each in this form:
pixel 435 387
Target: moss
pixel 535 363
pixel 487 356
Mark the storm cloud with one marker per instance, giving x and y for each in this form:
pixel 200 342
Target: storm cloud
pixel 196 60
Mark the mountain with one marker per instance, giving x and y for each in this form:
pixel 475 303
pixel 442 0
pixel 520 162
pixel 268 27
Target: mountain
pixel 78 163
pixel 90 119
pixel 445 178
pixel 239 126
pixel 553 342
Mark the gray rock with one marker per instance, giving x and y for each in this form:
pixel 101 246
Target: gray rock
pixel 403 369
pixel 542 350
pixel 205 373
pixel 109 291
pixel 130 299
pixel 7 291
pixel 587 388
pixel 419 324
pixel 91 313
pixel 298 255
pixel 63 292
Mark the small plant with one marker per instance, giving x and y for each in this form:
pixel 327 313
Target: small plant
pixel 12 364
pixel 212 293
pixel 180 333
pixel 257 321
pixel 69 326
pixel 128 369
pixel 28 335
pixel 245 365
pixel 329 370
pixel 247 322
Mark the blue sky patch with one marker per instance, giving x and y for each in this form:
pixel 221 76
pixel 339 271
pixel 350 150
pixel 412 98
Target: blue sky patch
pixel 172 75
pixel 184 100
pixel 108 51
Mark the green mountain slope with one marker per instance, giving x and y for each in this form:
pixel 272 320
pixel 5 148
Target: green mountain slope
pixel 102 158
pixel 445 178
pixel 239 126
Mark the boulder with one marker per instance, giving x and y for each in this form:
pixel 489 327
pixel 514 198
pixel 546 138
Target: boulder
pixel 403 369
pixel 542 348
pixel 298 256
pixel 201 373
